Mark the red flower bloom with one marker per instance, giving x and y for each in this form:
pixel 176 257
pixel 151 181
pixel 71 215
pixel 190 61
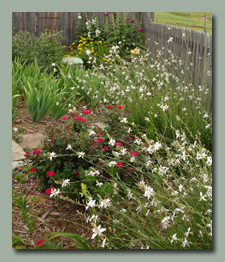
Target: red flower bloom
pixel 76 118
pixel 84 120
pixel 110 106
pixel 77 172
pixel 119 106
pixel 106 148
pixel 33 169
pixel 86 112
pixel 48 191
pixel 39 242
pixel 50 173
pixel 100 134
pixel 80 118
pixel 27 153
pixel 36 152
pixel 119 144
pixel 64 118
pixel 134 153
pixel 100 140
pixel 128 151
pixel 119 164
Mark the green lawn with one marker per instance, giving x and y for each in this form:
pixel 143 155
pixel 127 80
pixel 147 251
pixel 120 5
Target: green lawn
pixel 190 20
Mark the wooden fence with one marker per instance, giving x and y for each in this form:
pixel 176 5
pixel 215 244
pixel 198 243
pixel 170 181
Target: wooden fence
pixel 197 44
pixel 193 48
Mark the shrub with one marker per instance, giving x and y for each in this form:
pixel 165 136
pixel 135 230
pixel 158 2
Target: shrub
pixel 47 48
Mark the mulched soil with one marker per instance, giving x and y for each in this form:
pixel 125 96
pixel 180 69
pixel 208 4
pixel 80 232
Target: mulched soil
pixel 54 216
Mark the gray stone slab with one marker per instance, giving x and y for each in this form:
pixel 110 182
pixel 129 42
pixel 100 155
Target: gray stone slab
pixel 31 140
pixel 16 164
pixel 17 152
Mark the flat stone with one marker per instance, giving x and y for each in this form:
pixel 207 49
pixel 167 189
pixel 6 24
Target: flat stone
pixel 100 125
pixel 31 140
pixel 16 164
pixel 17 152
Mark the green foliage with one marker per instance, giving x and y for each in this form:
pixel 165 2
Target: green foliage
pixel 47 48
pixel 21 202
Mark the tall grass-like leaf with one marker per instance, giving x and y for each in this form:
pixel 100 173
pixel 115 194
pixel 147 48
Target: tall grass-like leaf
pixel 83 243
pixel 39 102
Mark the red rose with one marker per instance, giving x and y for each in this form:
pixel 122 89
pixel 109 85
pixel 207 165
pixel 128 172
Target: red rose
pixel 110 106
pixel 64 118
pixel 39 242
pixel 106 148
pixel 77 172
pixel 48 191
pixel 100 134
pixel 50 173
pixel 36 152
pixel 80 118
pixel 100 140
pixel 134 153
pixel 119 107
pixel 119 144
pixel 84 120
pixel 86 112
pixel 33 169
pixel 76 118
pixel 119 164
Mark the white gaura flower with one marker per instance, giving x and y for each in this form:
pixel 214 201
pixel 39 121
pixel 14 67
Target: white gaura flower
pixel 88 52
pixel 148 192
pixel 99 184
pixel 92 133
pixel 69 147
pixel 112 163
pixel 185 242
pixel 65 182
pixel 79 17
pixel 81 154
pixel 104 203
pixel 112 142
pixel 98 231
pixel 91 203
pixel 54 192
pixel 174 238
pixel 202 197
pixel 123 120
pixel 52 155
pixel 103 243
pixel 53 64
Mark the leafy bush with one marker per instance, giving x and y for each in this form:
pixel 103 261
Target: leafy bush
pixel 47 48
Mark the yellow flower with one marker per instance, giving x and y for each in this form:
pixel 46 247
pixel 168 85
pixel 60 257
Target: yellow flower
pixel 144 59
pixel 73 43
pixel 135 51
pixel 107 60
pixel 104 58
pixel 94 54
pixel 68 55
pixel 71 52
